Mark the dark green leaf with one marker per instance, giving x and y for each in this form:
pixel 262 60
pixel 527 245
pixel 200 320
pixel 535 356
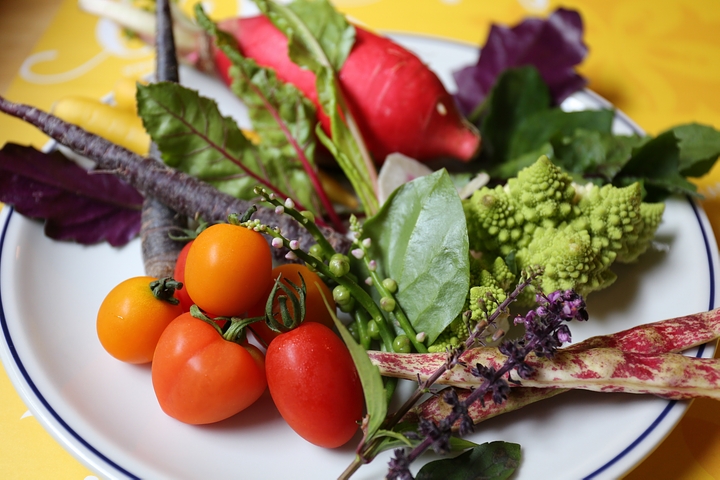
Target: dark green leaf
pixel 195 137
pixel 595 154
pixel 540 128
pixel 518 94
pixel 657 163
pixel 699 148
pixel 419 239
pixel 489 461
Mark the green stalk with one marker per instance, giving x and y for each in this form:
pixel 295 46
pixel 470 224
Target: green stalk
pixel 397 311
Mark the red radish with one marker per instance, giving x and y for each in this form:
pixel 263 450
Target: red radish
pixel 398 102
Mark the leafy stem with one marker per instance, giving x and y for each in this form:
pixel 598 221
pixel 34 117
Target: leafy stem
pixel 384 287
pixel 243 69
pixel 280 241
pixel 320 39
pixel 369 447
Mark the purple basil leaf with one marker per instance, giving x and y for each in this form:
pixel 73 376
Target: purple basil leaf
pixel 87 207
pixel 553 46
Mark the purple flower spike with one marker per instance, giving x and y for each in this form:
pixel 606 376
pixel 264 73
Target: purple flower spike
pixel 553 46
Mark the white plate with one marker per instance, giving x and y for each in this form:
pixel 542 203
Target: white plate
pixel 105 412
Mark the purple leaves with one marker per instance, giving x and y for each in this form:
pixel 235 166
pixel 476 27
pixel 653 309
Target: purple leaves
pixel 554 46
pixel 86 207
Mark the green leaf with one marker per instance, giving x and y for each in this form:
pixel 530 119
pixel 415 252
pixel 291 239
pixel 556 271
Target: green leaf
pixel 370 378
pixel 320 39
pixel 396 438
pixel 489 461
pixel 517 94
pixel 281 115
pixel 657 164
pixel 699 148
pixel 195 137
pixel 594 153
pixel 318 35
pixel 543 126
pixel 419 239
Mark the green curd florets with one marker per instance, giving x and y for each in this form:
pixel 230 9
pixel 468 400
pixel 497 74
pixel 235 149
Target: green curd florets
pixel 575 232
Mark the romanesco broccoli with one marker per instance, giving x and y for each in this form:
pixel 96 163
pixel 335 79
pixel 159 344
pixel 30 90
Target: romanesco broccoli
pixel 491 284
pixel 575 232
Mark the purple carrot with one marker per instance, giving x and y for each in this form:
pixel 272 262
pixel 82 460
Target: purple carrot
pixel 184 193
pixel 158 221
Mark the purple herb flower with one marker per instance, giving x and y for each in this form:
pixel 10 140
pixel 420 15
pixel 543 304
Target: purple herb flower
pixel 545 331
pixel 553 46
pixel 399 466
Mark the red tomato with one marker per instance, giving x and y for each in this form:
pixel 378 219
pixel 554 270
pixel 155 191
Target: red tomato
pixel 199 377
pixel 228 269
pixel 314 384
pixel 179 275
pixel 130 320
pixel 315 309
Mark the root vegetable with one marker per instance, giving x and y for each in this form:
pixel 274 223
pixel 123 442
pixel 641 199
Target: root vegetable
pixel 399 103
pixel 159 250
pixel 180 191
pixel 114 124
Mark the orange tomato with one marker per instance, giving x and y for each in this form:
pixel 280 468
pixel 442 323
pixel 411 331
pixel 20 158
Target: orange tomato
pixel 228 269
pixel 130 320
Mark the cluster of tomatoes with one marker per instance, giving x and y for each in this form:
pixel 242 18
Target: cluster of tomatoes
pixel 201 374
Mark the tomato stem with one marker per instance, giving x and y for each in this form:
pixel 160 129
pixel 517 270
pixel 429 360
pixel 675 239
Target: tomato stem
pixel 164 289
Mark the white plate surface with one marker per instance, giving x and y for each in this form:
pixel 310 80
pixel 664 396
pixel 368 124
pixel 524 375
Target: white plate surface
pixel 105 412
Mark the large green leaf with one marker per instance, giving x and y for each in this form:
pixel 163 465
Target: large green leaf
pixel 318 35
pixel 699 148
pixel 656 163
pixel 543 126
pixel 518 94
pixel 420 240
pixel 489 461
pixel 195 137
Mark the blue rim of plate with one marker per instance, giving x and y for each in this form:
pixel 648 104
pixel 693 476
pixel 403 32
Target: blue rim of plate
pixel 29 381
pixel 100 456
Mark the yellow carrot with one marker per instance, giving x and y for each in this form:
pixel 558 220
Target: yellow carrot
pixel 114 124
pixel 124 94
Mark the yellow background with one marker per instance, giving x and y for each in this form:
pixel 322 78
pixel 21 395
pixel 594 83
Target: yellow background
pixel 657 61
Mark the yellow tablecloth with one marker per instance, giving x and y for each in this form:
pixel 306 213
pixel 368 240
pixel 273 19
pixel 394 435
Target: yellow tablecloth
pixel 657 61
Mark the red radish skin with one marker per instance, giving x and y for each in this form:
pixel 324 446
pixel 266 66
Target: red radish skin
pixel 400 105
